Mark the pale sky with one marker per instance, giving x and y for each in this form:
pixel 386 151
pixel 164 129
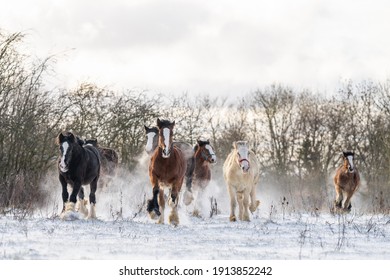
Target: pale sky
pixel 220 47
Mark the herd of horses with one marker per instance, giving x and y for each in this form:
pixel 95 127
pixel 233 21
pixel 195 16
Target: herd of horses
pixel 173 164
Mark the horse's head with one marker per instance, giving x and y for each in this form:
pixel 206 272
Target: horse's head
pixel 348 161
pixel 242 153
pixel 165 130
pixel 151 139
pixel 66 141
pixel 206 151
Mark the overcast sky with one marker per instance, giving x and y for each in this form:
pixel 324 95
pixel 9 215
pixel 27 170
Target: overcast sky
pixel 203 46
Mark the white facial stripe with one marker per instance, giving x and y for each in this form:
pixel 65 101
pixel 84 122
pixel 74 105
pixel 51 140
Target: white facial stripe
pixel 211 152
pixel 149 143
pixel 65 147
pixel 166 133
pixel 350 160
pixel 243 151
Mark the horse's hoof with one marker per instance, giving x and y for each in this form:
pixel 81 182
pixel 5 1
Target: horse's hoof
pixel 173 219
pixel 154 213
pixel 187 198
pixel 196 213
pixel 81 207
pixel 232 218
pixel 253 208
pixel 92 212
pixel 246 219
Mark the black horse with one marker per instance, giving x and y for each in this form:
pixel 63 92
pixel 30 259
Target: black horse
pixel 109 161
pixel 78 165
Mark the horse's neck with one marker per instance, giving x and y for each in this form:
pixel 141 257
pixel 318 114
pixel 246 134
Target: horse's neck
pixel 199 158
pixel 77 153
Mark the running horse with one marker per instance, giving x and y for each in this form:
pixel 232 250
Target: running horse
pixel 204 155
pixel 78 165
pixel 109 162
pixel 167 169
pixel 346 182
pixel 152 137
pixel 241 173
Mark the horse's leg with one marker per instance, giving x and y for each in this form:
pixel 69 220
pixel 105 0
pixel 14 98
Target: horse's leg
pixel 188 196
pixel 195 212
pixel 245 202
pixel 339 196
pixel 152 205
pixel 347 203
pixel 81 202
pixel 240 200
pixel 92 199
pixel 254 202
pixel 65 194
pixel 161 202
pixel 233 203
pixel 173 200
pixel 73 196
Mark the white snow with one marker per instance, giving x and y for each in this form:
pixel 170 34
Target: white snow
pixel 123 230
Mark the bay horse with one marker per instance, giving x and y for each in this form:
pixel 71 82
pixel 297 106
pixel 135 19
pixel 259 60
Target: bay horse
pixel 77 166
pixel 241 173
pixel 204 155
pixel 167 169
pixel 346 182
pixel 152 138
pixel 109 162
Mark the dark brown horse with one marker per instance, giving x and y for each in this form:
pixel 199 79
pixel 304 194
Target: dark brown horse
pixel 167 168
pixel 109 162
pixel 346 182
pixel 77 166
pixel 204 155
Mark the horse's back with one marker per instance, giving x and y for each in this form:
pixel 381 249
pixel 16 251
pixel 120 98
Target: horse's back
pixel 185 148
pixel 92 161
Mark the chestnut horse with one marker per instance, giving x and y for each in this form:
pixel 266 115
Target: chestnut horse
pixel 204 155
pixel 78 165
pixel 109 162
pixel 346 182
pixel 167 168
pixel 241 173
pixel 152 137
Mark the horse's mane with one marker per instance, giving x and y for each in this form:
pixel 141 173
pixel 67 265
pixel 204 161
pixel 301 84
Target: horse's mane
pixel 164 123
pixel 201 143
pixel 240 143
pixel 151 129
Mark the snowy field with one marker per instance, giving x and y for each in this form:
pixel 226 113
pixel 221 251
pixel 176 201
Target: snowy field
pixel 124 231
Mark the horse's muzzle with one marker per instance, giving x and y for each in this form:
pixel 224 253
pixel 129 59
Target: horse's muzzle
pixel 166 153
pixel 63 168
pixel 244 164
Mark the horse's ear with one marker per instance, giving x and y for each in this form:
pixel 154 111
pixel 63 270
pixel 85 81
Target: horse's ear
pixel 158 122
pixel 173 124
pixel 71 137
pixel 146 128
pixel 235 145
pixel 59 138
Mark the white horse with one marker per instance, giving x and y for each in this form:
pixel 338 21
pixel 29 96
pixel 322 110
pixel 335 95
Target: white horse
pixel 241 173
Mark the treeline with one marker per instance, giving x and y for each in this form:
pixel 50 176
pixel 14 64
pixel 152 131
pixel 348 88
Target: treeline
pixel 298 135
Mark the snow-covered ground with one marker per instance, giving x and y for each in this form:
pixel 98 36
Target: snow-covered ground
pixel 123 230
